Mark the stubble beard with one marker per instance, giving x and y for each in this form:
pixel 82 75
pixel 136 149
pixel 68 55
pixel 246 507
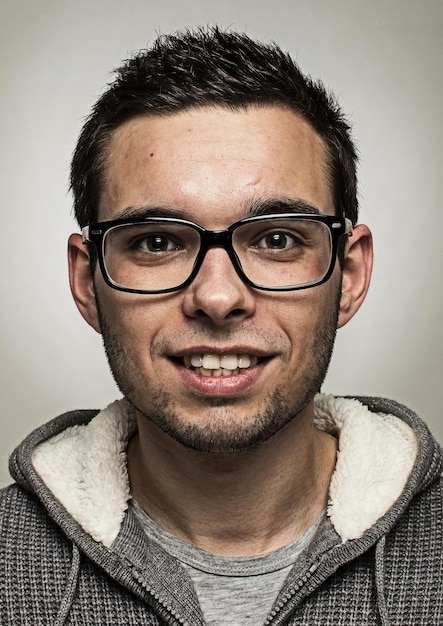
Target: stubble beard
pixel 221 430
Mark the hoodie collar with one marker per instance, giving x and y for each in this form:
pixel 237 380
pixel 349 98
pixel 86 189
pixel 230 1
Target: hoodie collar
pixel 84 466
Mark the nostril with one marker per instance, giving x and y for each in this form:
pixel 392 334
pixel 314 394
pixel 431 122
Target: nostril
pixel 235 313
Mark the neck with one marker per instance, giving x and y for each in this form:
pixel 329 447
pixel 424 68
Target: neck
pixel 237 504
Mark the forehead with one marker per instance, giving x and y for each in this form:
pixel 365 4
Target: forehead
pixel 212 164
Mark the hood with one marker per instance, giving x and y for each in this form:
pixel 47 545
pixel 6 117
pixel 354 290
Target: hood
pixel 76 466
pixel 385 455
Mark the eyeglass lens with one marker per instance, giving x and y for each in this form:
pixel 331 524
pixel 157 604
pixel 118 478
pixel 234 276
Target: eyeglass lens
pixel 277 252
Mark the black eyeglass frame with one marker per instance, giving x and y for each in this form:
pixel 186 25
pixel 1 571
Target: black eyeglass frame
pixel 95 234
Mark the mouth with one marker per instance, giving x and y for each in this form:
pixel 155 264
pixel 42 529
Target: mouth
pixel 220 364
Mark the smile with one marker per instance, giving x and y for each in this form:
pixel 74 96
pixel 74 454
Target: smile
pixel 220 365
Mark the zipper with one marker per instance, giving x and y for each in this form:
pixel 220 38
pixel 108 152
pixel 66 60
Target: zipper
pixel 275 611
pixel 140 579
pixel 293 591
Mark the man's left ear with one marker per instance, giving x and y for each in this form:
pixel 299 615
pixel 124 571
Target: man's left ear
pixel 356 273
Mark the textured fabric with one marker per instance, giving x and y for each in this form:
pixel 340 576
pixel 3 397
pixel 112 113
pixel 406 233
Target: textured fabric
pixel 236 591
pixel 53 572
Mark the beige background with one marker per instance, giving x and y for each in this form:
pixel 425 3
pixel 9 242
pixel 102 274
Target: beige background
pixel 384 61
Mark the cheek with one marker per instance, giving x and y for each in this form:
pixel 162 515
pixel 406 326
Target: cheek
pixel 134 319
pixel 304 313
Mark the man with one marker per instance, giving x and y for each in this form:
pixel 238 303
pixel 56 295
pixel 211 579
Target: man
pixel 215 188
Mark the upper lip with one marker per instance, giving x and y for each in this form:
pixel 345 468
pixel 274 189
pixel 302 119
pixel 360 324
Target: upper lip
pixel 220 351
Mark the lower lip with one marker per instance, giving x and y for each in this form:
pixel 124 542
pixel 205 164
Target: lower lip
pixel 221 385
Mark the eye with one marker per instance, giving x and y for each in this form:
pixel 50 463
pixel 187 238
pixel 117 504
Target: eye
pixel 156 242
pixel 277 240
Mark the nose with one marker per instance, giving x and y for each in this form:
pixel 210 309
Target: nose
pixel 218 293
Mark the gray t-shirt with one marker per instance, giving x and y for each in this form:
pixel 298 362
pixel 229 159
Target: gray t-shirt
pixel 232 591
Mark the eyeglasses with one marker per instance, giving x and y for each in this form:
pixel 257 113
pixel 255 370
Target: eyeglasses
pixel 153 255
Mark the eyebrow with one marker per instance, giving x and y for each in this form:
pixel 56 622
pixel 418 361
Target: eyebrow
pixel 280 205
pixel 257 208
pixel 154 211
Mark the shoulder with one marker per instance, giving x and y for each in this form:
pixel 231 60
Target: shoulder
pixel 412 559
pixel 35 558
pixel 423 519
pixel 15 502
pixel 35 561
pixel 25 527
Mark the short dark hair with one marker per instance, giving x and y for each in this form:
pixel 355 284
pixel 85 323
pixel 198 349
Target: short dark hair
pixel 210 67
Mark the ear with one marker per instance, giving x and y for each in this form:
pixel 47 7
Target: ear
pixel 81 280
pixel 356 273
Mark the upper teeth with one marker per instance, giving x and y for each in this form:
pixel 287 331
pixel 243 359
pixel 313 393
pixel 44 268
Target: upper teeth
pixel 225 361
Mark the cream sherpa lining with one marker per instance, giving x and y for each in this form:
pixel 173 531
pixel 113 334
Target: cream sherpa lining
pixel 85 466
pixel 376 454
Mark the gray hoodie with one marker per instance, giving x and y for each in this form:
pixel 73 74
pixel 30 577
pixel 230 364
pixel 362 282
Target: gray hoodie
pixel 72 552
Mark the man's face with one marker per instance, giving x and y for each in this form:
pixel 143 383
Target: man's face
pixel 212 166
